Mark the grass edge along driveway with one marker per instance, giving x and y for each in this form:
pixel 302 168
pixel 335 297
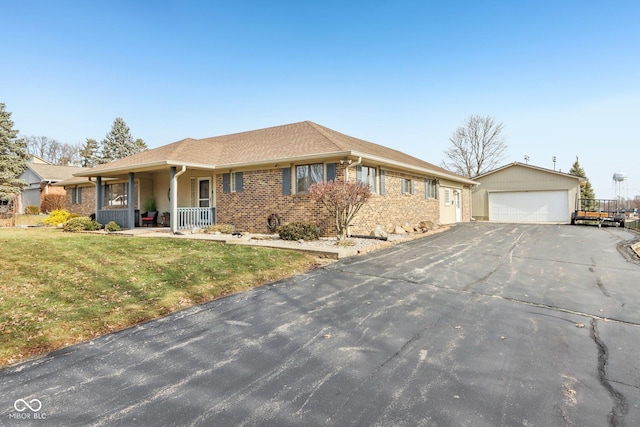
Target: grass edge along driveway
pixel 61 288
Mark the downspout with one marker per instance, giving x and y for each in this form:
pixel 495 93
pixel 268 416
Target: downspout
pixel 131 212
pixel 173 191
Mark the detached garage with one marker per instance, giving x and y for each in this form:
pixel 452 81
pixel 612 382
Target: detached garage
pixel 525 193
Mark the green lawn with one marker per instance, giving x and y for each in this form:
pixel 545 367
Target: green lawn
pixel 22 220
pixel 60 288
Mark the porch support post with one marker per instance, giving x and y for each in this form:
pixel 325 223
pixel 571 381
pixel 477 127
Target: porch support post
pixel 99 197
pixel 131 217
pixel 173 192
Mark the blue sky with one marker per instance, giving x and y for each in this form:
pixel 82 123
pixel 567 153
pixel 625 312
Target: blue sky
pixel 562 76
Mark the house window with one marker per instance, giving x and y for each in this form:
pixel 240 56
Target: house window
pixel 193 192
pixel 76 196
pixel 430 189
pixel 306 175
pixel 116 194
pixel 367 175
pixel 232 182
pixel 447 197
pixel 407 186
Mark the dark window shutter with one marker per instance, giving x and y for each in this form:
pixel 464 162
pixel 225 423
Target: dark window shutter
pixel 331 172
pixel 286 181
pixel 382 182
pixel 437 190
pixel 359 173
pixel 74 191
pixel 79 195
pixel 404 185
pixel 413 189
pixel 239 182
pixel 226 182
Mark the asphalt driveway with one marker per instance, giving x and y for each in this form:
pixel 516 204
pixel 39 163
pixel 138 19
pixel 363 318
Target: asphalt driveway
pixel 483 325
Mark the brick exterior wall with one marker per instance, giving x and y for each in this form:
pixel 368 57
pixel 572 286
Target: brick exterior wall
pixel 88 205
pixel 262 196
pixel 396 209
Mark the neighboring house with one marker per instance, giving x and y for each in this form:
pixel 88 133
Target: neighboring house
pixel 524 193
pixel 41 176
pixel 245 178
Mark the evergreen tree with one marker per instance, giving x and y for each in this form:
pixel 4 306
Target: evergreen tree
pixel 13 158
pixel 140 145
pixel 119 144
pixel 586 190
pixel 89 153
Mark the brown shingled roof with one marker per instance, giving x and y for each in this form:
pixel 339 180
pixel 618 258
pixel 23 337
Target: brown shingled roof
pixel 275 144
pixel 48 172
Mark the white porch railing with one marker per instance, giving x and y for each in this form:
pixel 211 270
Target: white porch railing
pixel 189 218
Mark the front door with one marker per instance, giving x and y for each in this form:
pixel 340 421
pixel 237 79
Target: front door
pixel 204 193
pixel 456 196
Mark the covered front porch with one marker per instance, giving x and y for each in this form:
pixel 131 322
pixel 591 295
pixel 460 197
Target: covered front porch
pixel 187 218
pixel 176 198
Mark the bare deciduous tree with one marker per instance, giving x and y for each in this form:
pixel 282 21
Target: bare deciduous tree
pixel 343 200
pixel 476 147
pixel 53 151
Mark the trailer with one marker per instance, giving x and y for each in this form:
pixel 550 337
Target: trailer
pixel 598 212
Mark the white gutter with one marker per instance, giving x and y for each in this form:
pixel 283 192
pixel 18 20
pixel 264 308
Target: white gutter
pixel 276 163
pixel 419 169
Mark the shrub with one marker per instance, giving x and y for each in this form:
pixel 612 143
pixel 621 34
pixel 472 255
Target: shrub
pixel 32 210
pixel 299 231
pixel 220 228
pixel 112 226
pixel 82 223
pixel 57 217
pixel 52 202
pixel 425 226
pixel 343 201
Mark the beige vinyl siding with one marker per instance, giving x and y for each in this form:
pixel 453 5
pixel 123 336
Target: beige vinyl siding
pixel 521 178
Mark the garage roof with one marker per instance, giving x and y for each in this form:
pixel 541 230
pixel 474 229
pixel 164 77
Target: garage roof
pixel 510 165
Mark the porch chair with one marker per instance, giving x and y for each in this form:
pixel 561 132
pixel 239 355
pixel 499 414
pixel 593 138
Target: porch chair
pixel 149 218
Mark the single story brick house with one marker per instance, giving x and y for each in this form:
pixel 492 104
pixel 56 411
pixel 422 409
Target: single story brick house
pixel 246 178
pixel 523 193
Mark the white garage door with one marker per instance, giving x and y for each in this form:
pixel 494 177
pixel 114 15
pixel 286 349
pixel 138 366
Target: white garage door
pixel 529 206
